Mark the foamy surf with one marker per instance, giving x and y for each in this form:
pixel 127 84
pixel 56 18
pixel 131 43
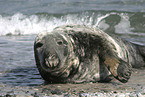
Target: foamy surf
pixel 20 24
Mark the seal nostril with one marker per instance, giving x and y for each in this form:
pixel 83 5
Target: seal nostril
pixel 126 75
pixel 60 42
pixel 39 44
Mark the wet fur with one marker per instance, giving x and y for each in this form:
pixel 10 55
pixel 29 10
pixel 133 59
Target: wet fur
pixel 98 54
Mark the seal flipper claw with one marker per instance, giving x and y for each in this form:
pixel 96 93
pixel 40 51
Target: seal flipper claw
pixel 124 72
pixel 119 69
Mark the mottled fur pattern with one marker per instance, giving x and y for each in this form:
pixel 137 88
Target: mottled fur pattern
pixel 78 53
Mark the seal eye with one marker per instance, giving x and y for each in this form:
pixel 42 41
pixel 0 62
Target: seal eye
pixel 59 42
pixel 39 44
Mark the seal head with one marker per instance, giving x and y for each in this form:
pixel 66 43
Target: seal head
pixel 54 57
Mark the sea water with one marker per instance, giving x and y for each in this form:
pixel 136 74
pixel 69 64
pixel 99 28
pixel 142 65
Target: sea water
pixel 22 20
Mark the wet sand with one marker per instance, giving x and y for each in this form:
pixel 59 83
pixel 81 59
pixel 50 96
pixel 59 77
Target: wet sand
pixel 134 88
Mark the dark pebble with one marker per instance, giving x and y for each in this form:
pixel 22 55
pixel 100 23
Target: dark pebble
pixel 36 95
pixel 10 95
pixel 114 91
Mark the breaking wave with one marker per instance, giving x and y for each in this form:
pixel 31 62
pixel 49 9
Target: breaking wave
pixel 117 22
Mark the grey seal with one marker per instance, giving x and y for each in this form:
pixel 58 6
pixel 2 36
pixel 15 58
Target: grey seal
pixel 79 53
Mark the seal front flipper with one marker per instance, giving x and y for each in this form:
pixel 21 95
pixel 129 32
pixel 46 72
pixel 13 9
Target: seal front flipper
pixel 120 70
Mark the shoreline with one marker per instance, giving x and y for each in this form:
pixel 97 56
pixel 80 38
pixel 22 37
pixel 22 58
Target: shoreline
pixel 134 88
pixel 71 90
pixel 61 91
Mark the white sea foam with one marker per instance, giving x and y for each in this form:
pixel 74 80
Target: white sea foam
pixel 22 24
pixel 19 23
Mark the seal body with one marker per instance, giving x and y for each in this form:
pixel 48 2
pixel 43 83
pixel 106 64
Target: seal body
pixel 78 53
